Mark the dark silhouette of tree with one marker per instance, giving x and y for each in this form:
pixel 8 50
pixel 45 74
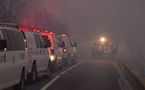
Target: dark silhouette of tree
pixel 10 10
pixel 27 13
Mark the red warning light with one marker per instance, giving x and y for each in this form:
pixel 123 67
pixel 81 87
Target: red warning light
pixel 38 31
pixel 21 27
pixel 34 30
pixel 29 29
pixel 46 31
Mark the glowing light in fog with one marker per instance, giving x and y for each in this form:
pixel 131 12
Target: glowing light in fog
pixel 103 40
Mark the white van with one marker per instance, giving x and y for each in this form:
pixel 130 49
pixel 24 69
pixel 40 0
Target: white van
pixel 69 49
pixel 38 62
pixel 55 51
pixel 12 58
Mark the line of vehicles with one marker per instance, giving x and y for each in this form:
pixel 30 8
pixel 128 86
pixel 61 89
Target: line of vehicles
pixel 28 53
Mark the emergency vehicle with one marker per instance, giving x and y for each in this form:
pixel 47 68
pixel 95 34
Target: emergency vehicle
pixel 38 57
pixel 13 57
pixel 55 51
pixel 103 49
pixel 69 49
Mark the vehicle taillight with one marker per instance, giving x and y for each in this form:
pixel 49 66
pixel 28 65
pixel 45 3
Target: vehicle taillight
pixel 64 50
pixel 25 42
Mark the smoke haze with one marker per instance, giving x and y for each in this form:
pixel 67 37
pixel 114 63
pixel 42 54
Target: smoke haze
pixel 120 20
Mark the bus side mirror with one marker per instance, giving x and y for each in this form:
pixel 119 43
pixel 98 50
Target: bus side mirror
pixel 3 44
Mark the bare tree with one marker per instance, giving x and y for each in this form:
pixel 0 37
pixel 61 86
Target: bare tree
pixel 11 10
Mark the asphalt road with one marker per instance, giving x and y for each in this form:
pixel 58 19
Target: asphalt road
pixel 90 75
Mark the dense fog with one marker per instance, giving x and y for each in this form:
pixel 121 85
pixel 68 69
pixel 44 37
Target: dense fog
pixel 120 20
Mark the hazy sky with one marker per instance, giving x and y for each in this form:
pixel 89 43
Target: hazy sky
pixel 119 19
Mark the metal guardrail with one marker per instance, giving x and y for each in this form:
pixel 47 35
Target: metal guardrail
pixel 138 76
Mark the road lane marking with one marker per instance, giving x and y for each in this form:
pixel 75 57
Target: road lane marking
pixel 58 76
pixel 69 69
pixel 51 82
